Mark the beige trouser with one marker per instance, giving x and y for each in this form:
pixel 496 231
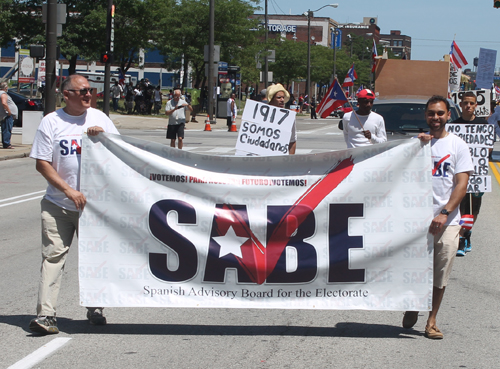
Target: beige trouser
pixel 58 228
pixel 445 250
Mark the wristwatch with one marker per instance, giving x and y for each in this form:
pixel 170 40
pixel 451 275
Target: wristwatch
pixel 445 212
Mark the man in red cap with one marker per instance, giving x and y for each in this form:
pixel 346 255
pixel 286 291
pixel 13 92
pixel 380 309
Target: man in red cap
pixel 364 127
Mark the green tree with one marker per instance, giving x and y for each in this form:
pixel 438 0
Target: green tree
pixel 187 31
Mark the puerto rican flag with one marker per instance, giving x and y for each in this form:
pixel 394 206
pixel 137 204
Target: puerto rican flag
pixel 456 56
pixel 350 77
pixel 467 221
pixel 332 100
pixel 374 57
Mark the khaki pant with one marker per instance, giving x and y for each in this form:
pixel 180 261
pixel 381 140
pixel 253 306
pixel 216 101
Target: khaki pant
pixel 58 228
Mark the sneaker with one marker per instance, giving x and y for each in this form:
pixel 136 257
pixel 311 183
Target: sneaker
pixel 468 245
pixel 44 325
pixel 96 317
pixel 461 246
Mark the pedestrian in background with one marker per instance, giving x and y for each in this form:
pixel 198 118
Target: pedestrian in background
pixel 116 93
pixel 8 112
pixel 176 112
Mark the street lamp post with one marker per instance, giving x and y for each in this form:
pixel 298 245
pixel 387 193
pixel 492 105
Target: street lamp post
pixel 335 34
pixel 309 15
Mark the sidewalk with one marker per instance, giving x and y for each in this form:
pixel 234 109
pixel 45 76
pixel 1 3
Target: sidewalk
pixel 121 122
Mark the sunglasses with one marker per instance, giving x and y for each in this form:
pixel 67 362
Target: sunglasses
pixel 83 91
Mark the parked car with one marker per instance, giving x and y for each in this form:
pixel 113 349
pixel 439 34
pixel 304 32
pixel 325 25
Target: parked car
pixel 346 108
pixel 24 103
pixel 406 116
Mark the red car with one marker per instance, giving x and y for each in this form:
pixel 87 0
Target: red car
pixel 346 108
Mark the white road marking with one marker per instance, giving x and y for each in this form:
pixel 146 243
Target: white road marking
pixel 40 354
pixel 18 197
pixel 20 201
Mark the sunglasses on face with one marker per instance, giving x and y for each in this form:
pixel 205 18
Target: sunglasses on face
pixel 84 91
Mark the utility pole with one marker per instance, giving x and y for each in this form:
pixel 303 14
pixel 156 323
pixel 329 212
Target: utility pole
pixel 211 62
pixel 50 74
pixel 266 61
pixel 110 46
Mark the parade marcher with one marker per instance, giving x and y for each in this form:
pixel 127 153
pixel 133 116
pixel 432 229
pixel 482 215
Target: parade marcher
pixel 277 95
pixel 364 127
pixel 452 165
pixel 57 151
pixel 231 110
pixel 176 111
pixel 8 112
pixel 494 118
pixel 471 203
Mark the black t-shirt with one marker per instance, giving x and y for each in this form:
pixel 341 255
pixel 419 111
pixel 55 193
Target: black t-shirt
pixel 476 120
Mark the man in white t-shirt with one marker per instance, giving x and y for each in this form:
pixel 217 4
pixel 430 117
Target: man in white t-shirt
pixel 57 149
pixel 231 110
pixel 176 112
pixel 451 167
pixel 364 127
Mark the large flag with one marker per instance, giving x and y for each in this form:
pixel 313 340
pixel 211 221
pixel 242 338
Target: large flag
pixel 350 77
pixel 374 56
pixel 332 100
pixel 456 56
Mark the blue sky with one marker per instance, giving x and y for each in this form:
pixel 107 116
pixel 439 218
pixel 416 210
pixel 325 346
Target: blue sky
pixel 432 24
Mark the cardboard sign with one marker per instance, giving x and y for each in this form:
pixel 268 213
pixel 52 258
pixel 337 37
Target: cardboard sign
pixel 486 68
pixel 265 130
pixel 480 138
pixel 483 98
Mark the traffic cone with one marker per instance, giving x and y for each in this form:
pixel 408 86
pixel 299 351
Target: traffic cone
pixel 207 124
pixel 233 127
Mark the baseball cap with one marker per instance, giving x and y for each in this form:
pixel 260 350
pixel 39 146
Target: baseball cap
pixel 366 94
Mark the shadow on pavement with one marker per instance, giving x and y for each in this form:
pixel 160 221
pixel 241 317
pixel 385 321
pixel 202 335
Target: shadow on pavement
pixel 346 329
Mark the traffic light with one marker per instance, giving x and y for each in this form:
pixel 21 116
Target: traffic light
pixel 496 4
pixel 107 57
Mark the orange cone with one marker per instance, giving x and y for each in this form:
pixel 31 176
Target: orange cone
pixel 233 127
pixel 207 124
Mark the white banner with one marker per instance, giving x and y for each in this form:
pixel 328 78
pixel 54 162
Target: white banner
pixel 337 230
pixel 480 138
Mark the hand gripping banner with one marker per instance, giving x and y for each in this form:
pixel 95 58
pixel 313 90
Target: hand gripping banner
pixel 337 230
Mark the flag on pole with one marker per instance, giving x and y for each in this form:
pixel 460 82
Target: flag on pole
pixel 374 56
pixel 456 56
pixel 332 100
pixel 359 90
pixel 350 77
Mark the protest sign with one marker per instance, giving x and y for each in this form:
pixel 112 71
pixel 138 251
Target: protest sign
pixel 265 130
pixel 486 68
pixel 483 98
pixel 480 138
pixel 454 81
pixel 336 230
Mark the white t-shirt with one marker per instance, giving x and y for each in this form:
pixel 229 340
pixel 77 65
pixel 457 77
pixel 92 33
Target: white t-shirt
pixel 58 140
pixel 179 115
pixel 353 133
pixel 450 156
pixel 230 112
